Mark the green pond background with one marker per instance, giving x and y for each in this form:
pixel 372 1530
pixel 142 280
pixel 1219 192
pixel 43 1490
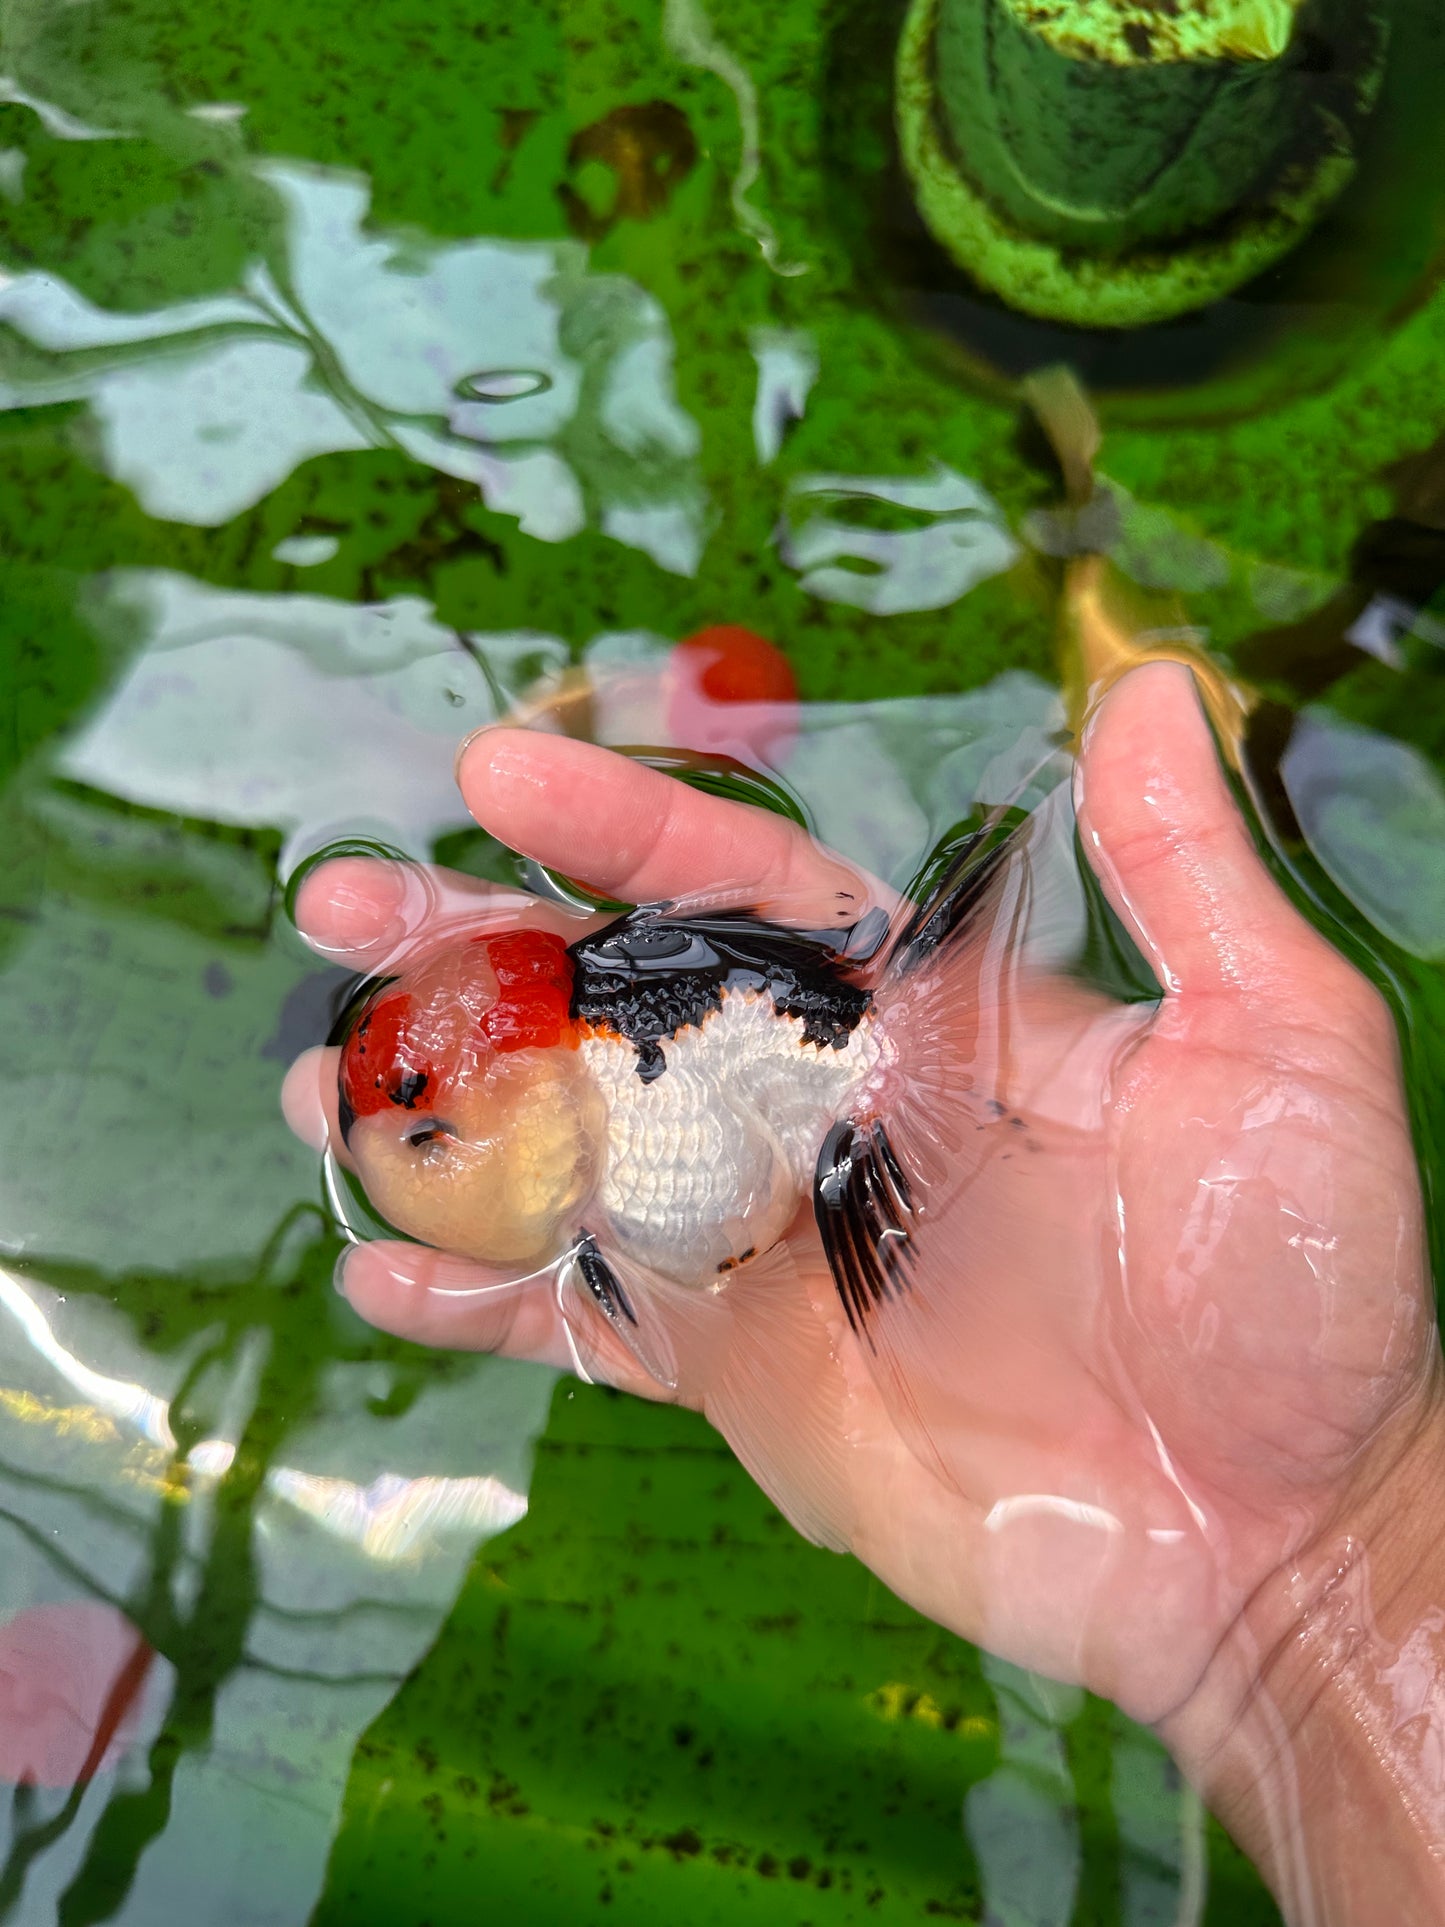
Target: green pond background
pixel 355 367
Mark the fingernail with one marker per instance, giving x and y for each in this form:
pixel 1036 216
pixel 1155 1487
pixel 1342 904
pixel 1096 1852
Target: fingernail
pixel 385 888
pixel 510 761
pixel 465 744
pixel 338 1274
pixel 387 867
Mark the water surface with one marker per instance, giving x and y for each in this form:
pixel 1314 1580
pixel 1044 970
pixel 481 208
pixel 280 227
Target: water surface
pixel 354 373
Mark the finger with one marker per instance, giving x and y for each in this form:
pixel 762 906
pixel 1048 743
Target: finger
pixel 309 1097
pixel 643 837
pixel 366 911
pixel 435 1299
pixel 1174 854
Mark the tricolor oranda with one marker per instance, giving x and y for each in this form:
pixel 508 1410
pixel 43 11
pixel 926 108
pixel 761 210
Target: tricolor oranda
pixel 651 1105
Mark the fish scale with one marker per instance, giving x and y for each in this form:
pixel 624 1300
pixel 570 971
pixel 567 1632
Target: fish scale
pixel 707 1162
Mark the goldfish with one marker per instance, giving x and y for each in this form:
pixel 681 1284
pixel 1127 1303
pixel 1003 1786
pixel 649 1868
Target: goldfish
pixel 72 1678
pixel 722 691
pixel 1108 625
pixel 654 1102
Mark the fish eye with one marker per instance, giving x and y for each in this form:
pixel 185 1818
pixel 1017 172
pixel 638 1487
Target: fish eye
pixel 430 1131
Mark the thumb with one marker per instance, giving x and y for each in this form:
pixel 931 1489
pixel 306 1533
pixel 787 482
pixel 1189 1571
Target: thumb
pixel 1173 852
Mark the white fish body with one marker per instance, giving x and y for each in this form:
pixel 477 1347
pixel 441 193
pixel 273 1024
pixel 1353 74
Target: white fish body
pixel 708 1163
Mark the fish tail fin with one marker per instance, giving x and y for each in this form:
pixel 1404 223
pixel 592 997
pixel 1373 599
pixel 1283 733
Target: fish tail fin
pixel 887 1175
pixel 943 905
pixel 774 1393
pixel 947 971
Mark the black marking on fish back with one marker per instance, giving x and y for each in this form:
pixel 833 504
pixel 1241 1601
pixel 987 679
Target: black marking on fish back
pixel 603 1282
pixel 863 1204
pixel 647 976
pixel 650 1061
pixel 969 863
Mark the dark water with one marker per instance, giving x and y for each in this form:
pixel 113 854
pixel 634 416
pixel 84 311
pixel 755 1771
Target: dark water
pixel 357 369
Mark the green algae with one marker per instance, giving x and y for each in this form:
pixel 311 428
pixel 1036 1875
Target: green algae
pixel 562 1778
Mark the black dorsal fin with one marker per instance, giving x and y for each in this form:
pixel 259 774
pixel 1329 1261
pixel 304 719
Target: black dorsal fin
pixel 951 886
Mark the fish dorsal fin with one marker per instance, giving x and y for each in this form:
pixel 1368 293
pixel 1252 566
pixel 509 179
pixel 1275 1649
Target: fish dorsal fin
pixel 954 889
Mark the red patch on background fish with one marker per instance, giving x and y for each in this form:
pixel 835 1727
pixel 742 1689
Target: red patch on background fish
pixel 730 691
pixel 407 1046
pixel 735 666
pixel 70 1686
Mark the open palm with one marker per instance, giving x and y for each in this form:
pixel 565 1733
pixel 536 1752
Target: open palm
pixel 1174 1307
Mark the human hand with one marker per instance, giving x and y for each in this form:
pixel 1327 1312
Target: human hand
pixel 1187 1338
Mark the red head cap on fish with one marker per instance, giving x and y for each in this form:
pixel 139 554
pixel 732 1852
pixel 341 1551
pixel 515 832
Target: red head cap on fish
pixel 471 1119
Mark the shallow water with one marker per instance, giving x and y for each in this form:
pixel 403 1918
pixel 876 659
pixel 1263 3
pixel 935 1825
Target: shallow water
pixel 352 378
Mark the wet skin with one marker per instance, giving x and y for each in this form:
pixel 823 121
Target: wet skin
pixel 1192 1406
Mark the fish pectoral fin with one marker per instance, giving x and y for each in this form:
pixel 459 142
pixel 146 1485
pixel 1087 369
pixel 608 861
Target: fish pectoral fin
pixel 751 1354
pixel 863 1203
pixel 607 1289
pixel 639 1310
pixel 891 1269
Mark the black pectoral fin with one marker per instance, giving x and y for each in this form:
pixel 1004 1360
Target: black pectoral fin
pixel 894 1280
pixel 607 1289
pixel 640 1310
pixel 863 1203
